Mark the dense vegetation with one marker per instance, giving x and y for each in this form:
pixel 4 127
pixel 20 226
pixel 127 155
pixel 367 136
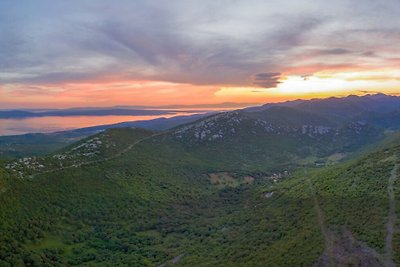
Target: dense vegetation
pixel 156 203
pixel 204 195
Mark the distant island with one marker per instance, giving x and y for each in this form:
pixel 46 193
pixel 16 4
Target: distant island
pixel 8 114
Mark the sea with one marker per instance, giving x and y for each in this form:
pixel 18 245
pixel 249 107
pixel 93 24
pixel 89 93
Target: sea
pixel 55 123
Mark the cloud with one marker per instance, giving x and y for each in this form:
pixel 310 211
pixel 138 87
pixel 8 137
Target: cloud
pixel 267 79
pixel 108 93
pixel 27 91
pixel 207 43
pixel 334 51
pixel 369 91
pixel 187 43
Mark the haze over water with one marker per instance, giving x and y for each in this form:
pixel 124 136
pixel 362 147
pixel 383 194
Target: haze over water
pixel 57 123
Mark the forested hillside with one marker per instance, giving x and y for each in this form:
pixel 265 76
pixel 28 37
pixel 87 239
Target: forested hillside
pixel 233 189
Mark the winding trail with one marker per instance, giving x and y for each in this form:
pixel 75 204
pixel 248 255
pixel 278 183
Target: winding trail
pixel 390 225
pixel 127 149
pixel 321 222
pixel 173 261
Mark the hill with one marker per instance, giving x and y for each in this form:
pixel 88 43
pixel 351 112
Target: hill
pixel 277 136
pixel 40 144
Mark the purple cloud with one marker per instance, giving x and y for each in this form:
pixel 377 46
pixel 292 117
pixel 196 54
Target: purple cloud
pixel 267 79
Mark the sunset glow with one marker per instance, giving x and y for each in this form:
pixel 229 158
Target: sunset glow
pixel 100 54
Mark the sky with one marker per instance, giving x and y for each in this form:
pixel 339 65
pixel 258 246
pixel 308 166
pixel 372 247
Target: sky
pixel 56 53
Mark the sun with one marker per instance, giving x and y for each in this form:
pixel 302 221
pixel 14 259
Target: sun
pixel 297 85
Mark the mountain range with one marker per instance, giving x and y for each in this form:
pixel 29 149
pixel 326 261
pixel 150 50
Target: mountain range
pixel 6 114
pixel 301 183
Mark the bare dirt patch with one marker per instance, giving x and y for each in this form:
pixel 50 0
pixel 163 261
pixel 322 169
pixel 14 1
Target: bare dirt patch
pixel 226 179
pixel 336 157
pixel 343 249
pixel 221 178
pixel 248 179
pixel 346 250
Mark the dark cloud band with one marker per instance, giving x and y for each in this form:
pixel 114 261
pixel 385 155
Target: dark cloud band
pixel 267 79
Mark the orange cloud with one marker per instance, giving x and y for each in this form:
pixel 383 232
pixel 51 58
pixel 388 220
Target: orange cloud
pixel 110 93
